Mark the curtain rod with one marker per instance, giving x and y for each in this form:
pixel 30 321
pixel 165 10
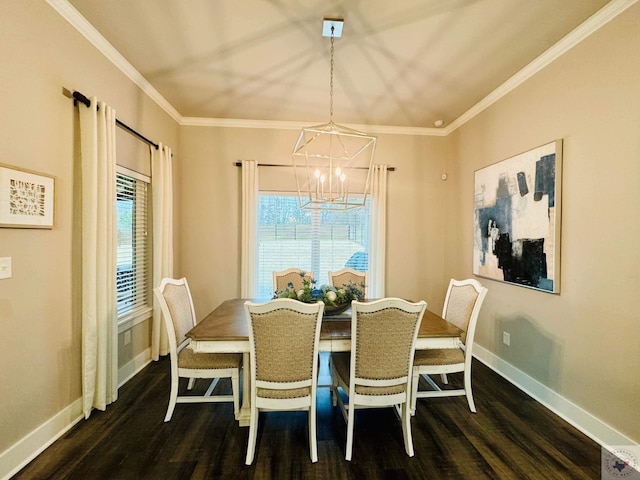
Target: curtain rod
pixel 79 97
pixel 239 164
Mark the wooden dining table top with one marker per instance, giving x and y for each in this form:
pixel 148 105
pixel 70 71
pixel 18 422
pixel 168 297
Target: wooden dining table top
pixel 227 322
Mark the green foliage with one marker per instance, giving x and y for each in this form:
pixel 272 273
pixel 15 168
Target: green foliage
pixel 327 294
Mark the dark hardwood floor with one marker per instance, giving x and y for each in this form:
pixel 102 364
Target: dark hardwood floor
pixel 511 437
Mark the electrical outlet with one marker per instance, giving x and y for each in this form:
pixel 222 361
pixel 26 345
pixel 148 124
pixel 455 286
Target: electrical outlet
pixel 506 338
pixel 5 267
pixel 127 337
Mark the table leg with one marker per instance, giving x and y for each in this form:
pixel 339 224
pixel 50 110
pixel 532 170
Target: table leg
pixel 244 416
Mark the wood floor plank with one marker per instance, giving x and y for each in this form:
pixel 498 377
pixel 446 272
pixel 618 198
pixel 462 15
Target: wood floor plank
pixel 511 437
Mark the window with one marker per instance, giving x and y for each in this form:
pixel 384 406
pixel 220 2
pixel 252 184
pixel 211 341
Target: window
pixel 133 245
pixel 312 240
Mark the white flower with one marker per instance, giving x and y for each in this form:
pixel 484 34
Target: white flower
pixel 300 292
pixel 331 296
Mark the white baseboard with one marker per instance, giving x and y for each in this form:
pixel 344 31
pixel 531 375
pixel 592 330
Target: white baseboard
pixel 25 450
pixel 21 453
pixel 131 369
pixel 584 421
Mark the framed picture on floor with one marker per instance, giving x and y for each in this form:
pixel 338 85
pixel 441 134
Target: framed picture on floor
pixel 26 198
pixel 517 219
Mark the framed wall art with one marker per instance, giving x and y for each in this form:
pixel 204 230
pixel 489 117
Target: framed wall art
pixel 517 219
pixel 26 198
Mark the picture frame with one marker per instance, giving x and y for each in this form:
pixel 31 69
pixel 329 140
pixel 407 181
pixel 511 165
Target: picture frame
pixel 517 219
pixel 27 198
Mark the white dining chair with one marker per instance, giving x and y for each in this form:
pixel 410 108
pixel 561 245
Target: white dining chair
pixel 346 276
pixel 284 335
pixel 377 371
pixel 176 304
pixel 461 307
pixel 293 276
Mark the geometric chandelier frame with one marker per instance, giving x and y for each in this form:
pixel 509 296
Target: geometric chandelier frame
pixel 332 163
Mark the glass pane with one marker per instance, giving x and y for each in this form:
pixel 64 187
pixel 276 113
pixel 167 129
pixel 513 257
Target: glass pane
pixel 131 255
pixel 312 240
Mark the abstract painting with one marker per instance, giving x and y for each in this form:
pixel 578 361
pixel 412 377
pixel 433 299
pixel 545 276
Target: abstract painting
pixel 26 198
pixel 517 219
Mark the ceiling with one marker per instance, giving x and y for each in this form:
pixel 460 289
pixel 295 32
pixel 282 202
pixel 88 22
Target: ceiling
pixel 403 63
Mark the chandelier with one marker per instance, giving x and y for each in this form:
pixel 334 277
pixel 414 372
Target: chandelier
pixel 332 163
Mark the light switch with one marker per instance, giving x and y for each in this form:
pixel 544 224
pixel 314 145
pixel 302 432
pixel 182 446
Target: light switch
pixel 5 267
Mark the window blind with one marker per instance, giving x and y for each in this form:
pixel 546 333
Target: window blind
pixel 133 249
pixel 312 240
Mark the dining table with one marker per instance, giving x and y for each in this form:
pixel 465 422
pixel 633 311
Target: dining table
pixel 225 330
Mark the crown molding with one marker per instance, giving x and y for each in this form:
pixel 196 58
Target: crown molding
pixel 577 35
pixel 284 125
pixel 589 26
pixel 71 15
pixel 239 123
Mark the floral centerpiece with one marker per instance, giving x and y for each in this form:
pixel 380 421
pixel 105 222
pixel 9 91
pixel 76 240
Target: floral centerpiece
pixel 336 300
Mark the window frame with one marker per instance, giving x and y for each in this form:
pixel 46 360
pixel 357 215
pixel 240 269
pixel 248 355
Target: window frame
pixel 141 313
pixel 317 275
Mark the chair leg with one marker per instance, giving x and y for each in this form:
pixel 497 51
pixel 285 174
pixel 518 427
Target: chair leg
pixel 253 432
pixel 443 377
pixel 350 425
pixel 414 390
pixel 406 429
pixel 313 442
pixel 192 382
pixel 173 397
pixel 235 386
pixel 212 387
pixel 469 392
pixel 334 384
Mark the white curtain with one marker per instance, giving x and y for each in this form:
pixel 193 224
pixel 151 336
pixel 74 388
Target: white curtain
pixel 249 267
pixel 99 325
pixel 377 231
pixel 162 188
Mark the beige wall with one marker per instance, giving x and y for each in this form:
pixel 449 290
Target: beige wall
pixel 40 357
pixel 584 343
pixel 211 209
